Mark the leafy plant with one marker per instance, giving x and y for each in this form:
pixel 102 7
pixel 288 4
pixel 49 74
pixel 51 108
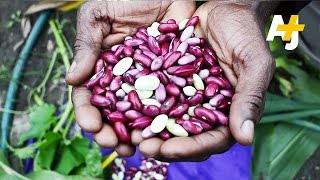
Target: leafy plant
pixel 14 18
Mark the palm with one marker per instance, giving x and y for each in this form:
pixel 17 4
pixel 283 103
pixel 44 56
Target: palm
pixel 99 26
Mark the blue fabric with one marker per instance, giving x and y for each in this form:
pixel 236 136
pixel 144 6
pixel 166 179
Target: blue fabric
pixel 232 165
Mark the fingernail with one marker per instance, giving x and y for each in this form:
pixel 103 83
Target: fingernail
pixel 247 129
pixel 72 67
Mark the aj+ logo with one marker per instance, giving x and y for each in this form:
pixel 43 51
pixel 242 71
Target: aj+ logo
pixel 288 32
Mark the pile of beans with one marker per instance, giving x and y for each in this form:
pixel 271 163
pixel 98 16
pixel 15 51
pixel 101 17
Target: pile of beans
pixel 162 80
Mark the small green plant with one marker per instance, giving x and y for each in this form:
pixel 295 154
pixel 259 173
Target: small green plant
pixel 14 18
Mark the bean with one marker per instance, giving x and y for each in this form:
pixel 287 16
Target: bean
pixel 211 90
pixel 127 88
pixel 128 51
pixel 135 101
pixel 209 59
pixel 208 106
pixel 123 106
pixel 112 97
pixel 186 116
pixel 142 59
pixel 164 48
pixel 106 79
pixel 122 132
pixel 186 59
pixel 119 50
pixel 226 92
pixel 198 63
pixel 193 128
pixel 178 110
pixel 146 133
pixel 191 110
pixel 122 66
pixel 168 105
pixel 204 125
pixel 142 35
pixel 224 105
pixel 133 42
pixel 176 129
pixel 195 50
pixel 181 82
pixel 94 80
pixel 100 101
pixel 150 54
pixel 161 39
pixel 168 27
pixel 154 45
pixel 205 114
pixel 143 72
pixel 222 119
pixel 150 102
pixel 192 41
pixel 165 135
pixel 193 21
pixel 170 36
pixel 141 122
pixel 120 93
pixel 197 81
pixel 116 117
pixel 183 71
pixel 194 100
pixel 171 59
pixel 115 47
pixel 215 71
pixel 219 81
pixel 147 83
pixel 172 21
pixel 159 123
pixel 157 63
pixel 163 78
pixel 98 90
pixel 133 72
pixel 189 81
pixel 204 73
pixel 144 94
pixel 182 98
pixel 132 115
pixel 189 91
pixel 182 24
pixel 160 93
pixel 182 48
pixel 115 83
pixel 187 33
pixel 151 110
pixel 110 58
pixel 173 90
pixel 98 66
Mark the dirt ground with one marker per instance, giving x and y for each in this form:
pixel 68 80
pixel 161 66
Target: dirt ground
pixel 34 72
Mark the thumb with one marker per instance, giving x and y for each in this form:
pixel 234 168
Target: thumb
pixel 248 101
pixel 91 28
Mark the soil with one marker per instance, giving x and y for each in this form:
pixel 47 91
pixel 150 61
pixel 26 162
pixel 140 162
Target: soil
pixel 34 72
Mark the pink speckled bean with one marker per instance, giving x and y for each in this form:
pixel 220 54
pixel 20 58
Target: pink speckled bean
pixel 160 93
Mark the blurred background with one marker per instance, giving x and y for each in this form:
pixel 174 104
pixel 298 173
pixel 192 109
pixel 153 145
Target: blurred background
pixel 44 141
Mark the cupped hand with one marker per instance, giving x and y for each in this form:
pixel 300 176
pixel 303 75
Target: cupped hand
pixel 99 26
pixel 236 32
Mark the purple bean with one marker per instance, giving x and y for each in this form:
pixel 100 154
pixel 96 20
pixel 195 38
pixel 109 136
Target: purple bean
pixel 154 45
pixel 193 41
pixel 100 101
pixel 189 81
pixel 193 21
pixel 168 27
pixel 186 59
pixel 119 50
pixel 173 90
pixel 137 51
pixel 204 125
pixel 182 98
pixel 117 117
pixel 95 79
pixel 109 57
pixel 227 93
pixel 183 71
pixel 165 135
pixel 141 122
pixel 193 128
pixel 143 30
pixel 115 47
pixel 160 93
pixel 144 72
pixel 128 78
pixel 98 90
pixel 198 63
pixel 181 82
pixel 205 114
pixel 146 133
pixel 151 110
pixel 164 48
pixel 115 84
pixel 132 115
pixel 135 100
pixel 211 90
pixel 167 105
pixel 216 100
pixel 106 79
pixel 195 100
pixel 178 110
pixel 222 118
pixel 133 42
pixel 163 78
pixel 133 72
pixel 112 97
pixel 142 36
pixel 182 48
pixel 142 59
pixel 187 33
pixel 98 66
pixel 195 50
pixel 157 63
pixel 128 51
pixel 224 105
pixel 222 83
pixel 150 54
pixel 215 71
pixel 161 38
pixel 122 132
pixel 172 21
pixel 123 106
pixel 170 36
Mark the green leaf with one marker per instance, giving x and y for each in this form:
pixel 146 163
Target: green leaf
pixel 45 174
pixel 93 166
pixel 41 119
pixel 72 155
pixel 9 174
pixel 24 152
pixel 47 150
pixel 3 158
pixel 280 150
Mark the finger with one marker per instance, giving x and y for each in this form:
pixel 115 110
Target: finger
pixel 106 137
pixel 92 26
pixel 151 147
pixel 179 10
pixel 248 101
pixel 125 150
pixel 198 147
pixel 136 137
pixel 87 116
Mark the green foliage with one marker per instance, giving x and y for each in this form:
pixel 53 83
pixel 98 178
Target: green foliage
pixel 41 119
pixel 45 174
pixel 14 18
pixel 93 162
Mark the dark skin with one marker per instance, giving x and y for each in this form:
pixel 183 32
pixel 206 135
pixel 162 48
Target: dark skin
pixel 235 32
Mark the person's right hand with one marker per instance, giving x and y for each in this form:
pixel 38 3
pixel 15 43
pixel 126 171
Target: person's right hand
pixel 99 26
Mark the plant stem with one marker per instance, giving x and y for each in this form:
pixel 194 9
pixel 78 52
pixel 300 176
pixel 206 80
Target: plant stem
pixel 65 59
pixel 69 122
pixel 305 123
